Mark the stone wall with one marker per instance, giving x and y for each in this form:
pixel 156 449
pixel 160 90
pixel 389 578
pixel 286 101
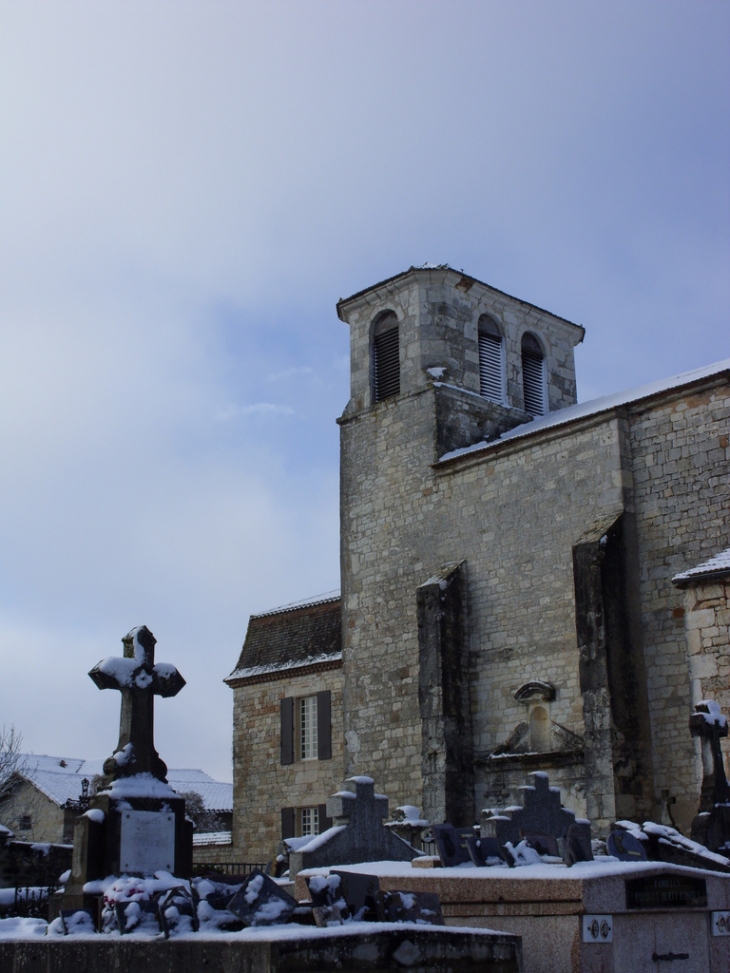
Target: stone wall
pixel 262 786
pixel 23 863
pixel 513 514
pixel 681 475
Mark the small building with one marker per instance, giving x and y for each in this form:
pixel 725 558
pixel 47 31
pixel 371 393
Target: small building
pixel 45 796
pixel 287 724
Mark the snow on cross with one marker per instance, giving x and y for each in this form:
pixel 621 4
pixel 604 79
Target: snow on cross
pixel 139 680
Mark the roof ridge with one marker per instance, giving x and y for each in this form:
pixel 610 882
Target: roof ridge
pixel 329 596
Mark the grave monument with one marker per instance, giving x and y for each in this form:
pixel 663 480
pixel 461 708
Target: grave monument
pixel 135 823
pixel 711 826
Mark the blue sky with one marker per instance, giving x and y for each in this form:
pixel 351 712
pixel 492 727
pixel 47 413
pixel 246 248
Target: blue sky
pixel 186 189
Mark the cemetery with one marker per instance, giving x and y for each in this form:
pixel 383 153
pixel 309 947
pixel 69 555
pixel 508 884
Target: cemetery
pixel 528 888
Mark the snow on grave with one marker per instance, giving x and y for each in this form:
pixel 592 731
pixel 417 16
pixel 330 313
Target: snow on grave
pixel 357 834
pixel 136 824
pixel 260 902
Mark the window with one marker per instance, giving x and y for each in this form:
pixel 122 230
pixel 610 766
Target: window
pixel 533 375
pixel 26 822
pixel 301 822
pixel 491 360
pixel 306 728
pixel 385 357
pixel 308 821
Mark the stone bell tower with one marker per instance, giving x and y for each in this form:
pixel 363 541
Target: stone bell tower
pixel 439 361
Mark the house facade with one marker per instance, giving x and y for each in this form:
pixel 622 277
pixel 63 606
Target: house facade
pixel 506 563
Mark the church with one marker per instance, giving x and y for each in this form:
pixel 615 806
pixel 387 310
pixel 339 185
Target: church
pixel 527 583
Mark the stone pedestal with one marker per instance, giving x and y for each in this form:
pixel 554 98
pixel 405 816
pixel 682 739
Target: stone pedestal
pixel 128 835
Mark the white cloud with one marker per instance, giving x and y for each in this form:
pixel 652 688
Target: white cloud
pixel 188 189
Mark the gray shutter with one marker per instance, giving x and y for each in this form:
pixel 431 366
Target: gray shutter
pixel 533 382
pixel 386 365
pixel 287 731
pixel 490 366
pixel 324 821
pixel 288 828
pixel 324 725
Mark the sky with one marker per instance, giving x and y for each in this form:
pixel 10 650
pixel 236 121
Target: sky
pixel 187 189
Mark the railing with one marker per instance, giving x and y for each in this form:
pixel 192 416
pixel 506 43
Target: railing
pixel 27 902
pixel 229 868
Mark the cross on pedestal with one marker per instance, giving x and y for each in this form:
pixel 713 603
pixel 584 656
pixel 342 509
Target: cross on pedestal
pixel 139 680
pixel 708 723
pixel 362 810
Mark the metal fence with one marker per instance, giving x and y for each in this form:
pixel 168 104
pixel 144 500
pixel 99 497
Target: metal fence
pixel 27 902
pixel 230 868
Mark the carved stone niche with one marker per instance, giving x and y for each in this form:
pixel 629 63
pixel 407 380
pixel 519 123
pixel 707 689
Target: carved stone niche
pixel 537 740
pixel 530 692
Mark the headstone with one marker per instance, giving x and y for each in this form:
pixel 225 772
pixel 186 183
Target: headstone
pixel 544 844
pixel 359 892
pixel 357 833
pixel 451 844
pixel 485 851
pixel 624 846
pixel 541 813
pixel 136 822
pixel 261 902
pixel 711 826
pixel 420 907
pixel 576 846
pixel 328 905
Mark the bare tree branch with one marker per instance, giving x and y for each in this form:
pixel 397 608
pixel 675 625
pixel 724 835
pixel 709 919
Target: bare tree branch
pixel 12 761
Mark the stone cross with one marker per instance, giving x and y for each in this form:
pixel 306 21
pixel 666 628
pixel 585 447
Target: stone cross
pixel 139 680
pixel 708 723
pixel 362 810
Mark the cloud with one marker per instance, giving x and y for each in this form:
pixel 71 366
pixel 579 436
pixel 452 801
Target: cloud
pixel 188 190
pixel 257 408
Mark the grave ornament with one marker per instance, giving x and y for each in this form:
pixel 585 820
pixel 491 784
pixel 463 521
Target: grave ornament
pixel 358 833
pixel 139 680
pixel 541 816
pixel 135 824
pixel 711 826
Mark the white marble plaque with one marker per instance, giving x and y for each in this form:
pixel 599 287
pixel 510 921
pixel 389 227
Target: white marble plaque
pixel 147 842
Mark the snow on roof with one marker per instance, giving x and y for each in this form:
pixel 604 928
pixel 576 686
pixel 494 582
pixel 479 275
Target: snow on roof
pixel 216 795
pixel 59 778
pixel 716 566
pixel 593 408
pixel 212 838
pixel 246 671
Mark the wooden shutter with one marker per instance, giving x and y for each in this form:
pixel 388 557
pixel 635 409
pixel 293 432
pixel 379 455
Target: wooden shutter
pixel 324 725
pixel 287 731
pixel 324 821
pixel 288 827
pixel 533 381
pixel 490 366
pixel 386 364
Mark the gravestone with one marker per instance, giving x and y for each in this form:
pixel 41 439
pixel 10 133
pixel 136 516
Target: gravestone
pixel 711 826
pixel 136 822
pixel 260 902
pixel 541 814
pixel 485 851
pixel 452 844
pixel 357 833
pixel 624 846
pixel 421 907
